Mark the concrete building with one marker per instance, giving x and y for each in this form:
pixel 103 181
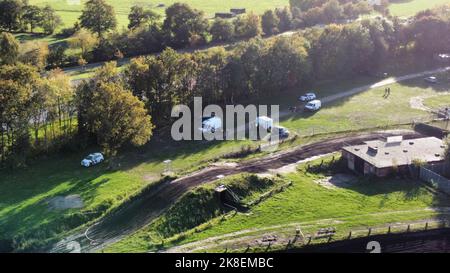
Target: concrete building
pixel 382 157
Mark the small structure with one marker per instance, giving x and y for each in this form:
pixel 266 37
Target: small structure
pixel 225 15
pixel 383 157
pixel 237 11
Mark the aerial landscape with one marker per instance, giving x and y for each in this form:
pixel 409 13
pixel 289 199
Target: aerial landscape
pixel 206 126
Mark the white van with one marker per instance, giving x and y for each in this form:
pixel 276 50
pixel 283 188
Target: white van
pixel 211 124
pixel 265 123
pixel 313 105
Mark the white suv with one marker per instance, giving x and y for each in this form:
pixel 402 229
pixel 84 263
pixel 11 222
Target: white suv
pixel 431 79
pixel 308 97
pixel 92 159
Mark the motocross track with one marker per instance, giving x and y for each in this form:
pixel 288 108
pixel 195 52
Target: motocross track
pixel 154 200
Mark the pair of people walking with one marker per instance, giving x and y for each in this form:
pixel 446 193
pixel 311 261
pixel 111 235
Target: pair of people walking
pixel 387 92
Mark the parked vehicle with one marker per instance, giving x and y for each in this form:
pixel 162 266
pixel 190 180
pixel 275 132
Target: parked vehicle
pixel 308 97
pixel 92 159
pixel 281 131
pixel 211 124
pixel 265 123
pixel 431 79
pixel 313 105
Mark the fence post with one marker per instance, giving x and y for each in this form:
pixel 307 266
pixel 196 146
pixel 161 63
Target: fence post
pixel 426 226
pixel 409 228
pixel 389 229
pixel 268 247
pixel 288 245
pixel 370 231
pixel 350 235
pixel 248 248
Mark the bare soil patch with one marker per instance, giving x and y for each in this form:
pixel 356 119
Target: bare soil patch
pixel 337 181
pixel 73 201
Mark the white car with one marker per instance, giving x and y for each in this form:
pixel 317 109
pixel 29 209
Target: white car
pixel 92 159
pixel 313 105
pixel 431 79
pixel 308 97
pixel 264 122
pixel 211 124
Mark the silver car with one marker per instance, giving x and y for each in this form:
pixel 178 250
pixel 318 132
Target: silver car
pixel 92 159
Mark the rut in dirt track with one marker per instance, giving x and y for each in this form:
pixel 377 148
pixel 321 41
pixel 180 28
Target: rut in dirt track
pixel 156 199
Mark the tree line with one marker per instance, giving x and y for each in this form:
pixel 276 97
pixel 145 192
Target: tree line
pixel 45 113
pixel 19 16
pixel 96 37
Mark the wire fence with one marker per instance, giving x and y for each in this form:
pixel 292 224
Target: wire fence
pixel 295 239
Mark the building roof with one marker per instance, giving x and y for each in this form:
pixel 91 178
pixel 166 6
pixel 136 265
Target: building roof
pixel 399 152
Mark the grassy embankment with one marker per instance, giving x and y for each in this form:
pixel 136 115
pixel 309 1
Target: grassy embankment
pixel 355 204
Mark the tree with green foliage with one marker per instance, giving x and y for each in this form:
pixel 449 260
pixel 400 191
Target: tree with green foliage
pixel 162 80
pixel 285 19
pixel 10 14
pixel 98 16
pixel 17 85
pixel 430 28
pixel 83 40
pixel 222 30
pixel 183 25
pixel 112 113
pixel 247 26
pixel 34 53
pixel 140 16
pixel 9 48
pixel 32 16
pixel 269 22
pixel 50 20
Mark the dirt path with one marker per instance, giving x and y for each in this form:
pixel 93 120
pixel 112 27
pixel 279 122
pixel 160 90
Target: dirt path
pixel 156 199
pixel 243 235
pixel 149 205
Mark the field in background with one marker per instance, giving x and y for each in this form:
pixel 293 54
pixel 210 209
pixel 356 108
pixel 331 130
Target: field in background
pixel 70 10
pixel 405 8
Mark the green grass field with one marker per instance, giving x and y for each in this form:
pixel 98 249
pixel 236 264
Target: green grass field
pixel 24 193
pixel 405 8
pixel 70 10
pixel 361 203
pixel 437 102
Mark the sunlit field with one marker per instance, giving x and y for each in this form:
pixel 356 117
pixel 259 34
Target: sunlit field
pixel 404 8
pixel 70 10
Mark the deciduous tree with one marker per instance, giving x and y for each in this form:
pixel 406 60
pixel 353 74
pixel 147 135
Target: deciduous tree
pixel 98 16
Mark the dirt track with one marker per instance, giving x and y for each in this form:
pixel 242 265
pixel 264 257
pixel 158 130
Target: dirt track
pixel 155 200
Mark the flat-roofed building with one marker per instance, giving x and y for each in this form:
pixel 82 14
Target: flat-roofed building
pixel 382 157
